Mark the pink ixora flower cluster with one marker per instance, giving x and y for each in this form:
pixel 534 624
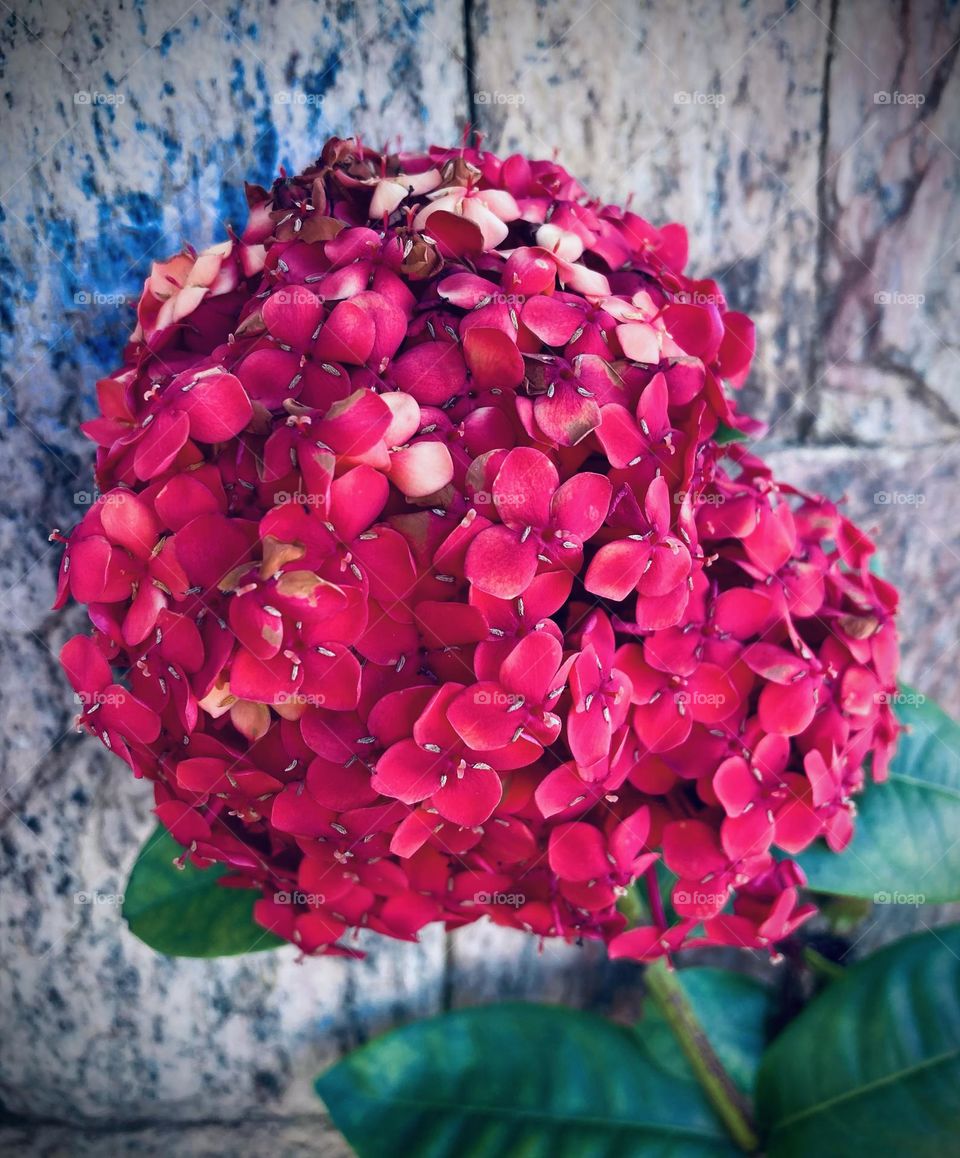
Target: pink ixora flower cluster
pixel 423 588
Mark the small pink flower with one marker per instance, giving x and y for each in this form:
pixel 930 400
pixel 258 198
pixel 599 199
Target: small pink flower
pixel 176 288
pixel 651 560
pixel 601 695
pixel 764 802
pixel 518 706
pixel 542 522
pixel 489 209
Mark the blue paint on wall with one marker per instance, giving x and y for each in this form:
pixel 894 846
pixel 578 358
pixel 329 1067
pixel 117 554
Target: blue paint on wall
pixel 266 145
pixel 138 6
pixel 168 40
pixel 232 204
pixel 96 281
pixel 312 88
pixel 10 274
pixel 319 81
pixel 237 83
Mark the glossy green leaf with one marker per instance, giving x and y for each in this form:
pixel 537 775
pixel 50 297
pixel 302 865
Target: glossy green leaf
pixel 520 1080
pixel 872 1065
pixel 184 912
pixel 906 846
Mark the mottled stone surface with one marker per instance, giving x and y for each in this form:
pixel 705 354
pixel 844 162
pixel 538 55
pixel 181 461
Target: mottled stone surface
pixel 300 1137
pixel 755 124
pixel 887 369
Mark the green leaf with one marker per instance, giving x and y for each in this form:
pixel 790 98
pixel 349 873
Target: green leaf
pixel 725 434
pixel 517 1080
pixel 872 1065
pixel 905 848
pixel 184 912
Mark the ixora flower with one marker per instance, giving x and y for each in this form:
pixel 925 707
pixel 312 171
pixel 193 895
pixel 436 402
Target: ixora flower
pixel 427 570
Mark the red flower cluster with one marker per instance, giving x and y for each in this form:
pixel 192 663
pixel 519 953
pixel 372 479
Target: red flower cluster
pixel 426 582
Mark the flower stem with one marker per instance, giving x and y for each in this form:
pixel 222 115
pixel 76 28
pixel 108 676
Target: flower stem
pixel 656 901
pixel 730 1104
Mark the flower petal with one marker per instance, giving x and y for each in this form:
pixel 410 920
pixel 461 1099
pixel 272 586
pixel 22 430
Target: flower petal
pixel 470 799
pixel 500 564
pixel 217 406
pixel 291 314
pixel 408 772
pixel 616 568
pixel 492 358
pixel 581 504
pixel 432 372
pixel 578 852
pixel 347 336
pixel 421 469
pixel 523 488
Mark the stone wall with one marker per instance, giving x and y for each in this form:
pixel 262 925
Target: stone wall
pixel 811 148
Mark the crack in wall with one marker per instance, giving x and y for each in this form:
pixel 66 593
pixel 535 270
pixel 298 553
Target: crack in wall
pixel 469 73
pixel 815 359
